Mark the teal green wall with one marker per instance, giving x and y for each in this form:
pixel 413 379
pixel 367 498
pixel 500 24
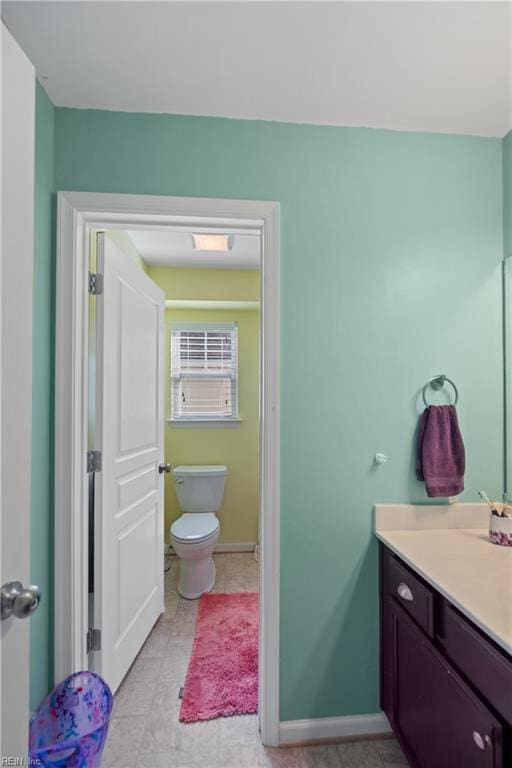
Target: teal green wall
pixel 391 251
pixel 507 193
pixel 41 651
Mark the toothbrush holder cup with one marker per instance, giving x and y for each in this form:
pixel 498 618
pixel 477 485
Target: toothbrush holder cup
pixel 500 530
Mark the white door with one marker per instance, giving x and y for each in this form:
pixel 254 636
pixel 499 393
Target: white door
pixel 18 84
pixel 129 528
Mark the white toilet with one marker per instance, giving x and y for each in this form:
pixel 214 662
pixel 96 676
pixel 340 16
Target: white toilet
pixel 193 535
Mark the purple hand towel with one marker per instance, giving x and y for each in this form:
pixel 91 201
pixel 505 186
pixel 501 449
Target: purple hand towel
pixel 440 459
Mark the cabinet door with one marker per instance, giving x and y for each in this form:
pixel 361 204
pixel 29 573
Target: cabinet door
pixel 443 723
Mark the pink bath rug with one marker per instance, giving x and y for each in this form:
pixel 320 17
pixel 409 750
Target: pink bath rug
pixel 222 676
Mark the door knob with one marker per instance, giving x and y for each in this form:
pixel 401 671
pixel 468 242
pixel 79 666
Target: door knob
pixel 19 601
pixel 164 468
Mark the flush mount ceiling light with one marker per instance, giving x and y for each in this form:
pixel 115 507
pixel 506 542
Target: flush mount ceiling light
pixel 212 242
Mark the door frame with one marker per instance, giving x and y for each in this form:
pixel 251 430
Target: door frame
pixel 77 214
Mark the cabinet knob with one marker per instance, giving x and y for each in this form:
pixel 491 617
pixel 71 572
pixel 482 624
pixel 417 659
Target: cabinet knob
pixel 404 592
pixel 480 741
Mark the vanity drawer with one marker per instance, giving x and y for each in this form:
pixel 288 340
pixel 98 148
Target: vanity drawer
pixel 412 594
pixel 485 666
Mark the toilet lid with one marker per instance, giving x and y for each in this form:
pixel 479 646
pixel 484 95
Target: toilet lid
pixel 194 526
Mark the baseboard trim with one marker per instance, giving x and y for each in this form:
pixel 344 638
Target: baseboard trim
pixel 232 546
pixel 333 729
pixel 235 546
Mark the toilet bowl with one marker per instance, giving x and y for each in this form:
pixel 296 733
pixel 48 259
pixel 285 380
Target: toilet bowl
pixel 200 490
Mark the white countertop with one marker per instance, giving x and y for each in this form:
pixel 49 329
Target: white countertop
pixel 461 563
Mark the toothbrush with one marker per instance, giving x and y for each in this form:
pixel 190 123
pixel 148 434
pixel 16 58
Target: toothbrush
pixel 490 504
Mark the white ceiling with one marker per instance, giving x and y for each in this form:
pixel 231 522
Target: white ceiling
pixel 170 248
pixel 429 66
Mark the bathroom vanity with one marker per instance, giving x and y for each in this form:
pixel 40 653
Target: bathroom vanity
pixel 446 636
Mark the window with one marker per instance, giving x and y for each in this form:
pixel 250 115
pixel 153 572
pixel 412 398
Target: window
pixel 204 371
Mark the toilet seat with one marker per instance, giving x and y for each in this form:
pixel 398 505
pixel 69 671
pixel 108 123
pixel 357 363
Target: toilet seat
pixel 195 528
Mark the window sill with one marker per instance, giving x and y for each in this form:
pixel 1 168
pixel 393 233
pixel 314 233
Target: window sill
pixel 205 423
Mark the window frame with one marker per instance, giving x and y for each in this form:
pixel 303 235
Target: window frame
pixel 216 419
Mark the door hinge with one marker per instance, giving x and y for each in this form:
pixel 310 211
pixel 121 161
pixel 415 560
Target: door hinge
pixel 95 283
pixel 93 640
pixel 93 461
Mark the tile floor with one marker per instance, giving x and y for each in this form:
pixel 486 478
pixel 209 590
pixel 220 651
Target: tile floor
pixel 145 731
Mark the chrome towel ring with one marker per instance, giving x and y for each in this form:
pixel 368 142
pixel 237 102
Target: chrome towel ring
pixel 438 382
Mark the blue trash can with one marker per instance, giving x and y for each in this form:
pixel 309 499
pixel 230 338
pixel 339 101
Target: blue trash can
pixel 69 730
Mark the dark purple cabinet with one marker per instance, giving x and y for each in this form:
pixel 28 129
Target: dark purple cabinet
pixel 412 595
pixel 486 667
pixel 444 724
pixel 438 715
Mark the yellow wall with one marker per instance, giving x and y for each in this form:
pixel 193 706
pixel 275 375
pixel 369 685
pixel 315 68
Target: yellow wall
pixel 236 446
pixel 124 241
pixel 207 284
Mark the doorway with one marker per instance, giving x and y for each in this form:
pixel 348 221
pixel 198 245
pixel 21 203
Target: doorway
pixel 78 215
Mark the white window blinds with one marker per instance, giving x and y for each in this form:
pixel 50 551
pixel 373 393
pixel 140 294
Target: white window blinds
pixel 204 371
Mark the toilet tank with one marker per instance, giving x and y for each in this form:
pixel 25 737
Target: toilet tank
pixel 200 489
